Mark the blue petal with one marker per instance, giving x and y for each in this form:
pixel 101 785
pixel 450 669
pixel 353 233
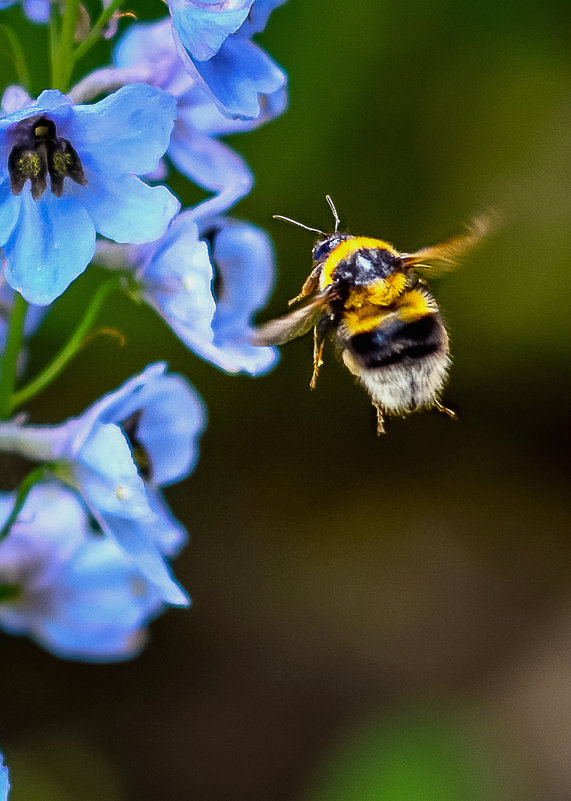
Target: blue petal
pixel 200 112
pixel 147 42
pixel 173 417
pixel 125 209
pixel 135 537
pixel 127 132
pixel 52 243
pixel 51 101
pixel 92 644
pixel 212 165
pixel 204 27
pixel 108 409
pixel 108 476
pixel 177 278
pixel 258 16
pixel 15 98
pixel 37 10
pixel 9 211
pixel 117 497
pixel 238 75
pixel 244 260
pixel 4 780
pixel 101 587
pixel 170 536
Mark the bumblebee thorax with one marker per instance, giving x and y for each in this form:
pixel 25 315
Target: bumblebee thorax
pixel 360 261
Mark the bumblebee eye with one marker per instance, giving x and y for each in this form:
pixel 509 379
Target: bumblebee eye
pixel 325 246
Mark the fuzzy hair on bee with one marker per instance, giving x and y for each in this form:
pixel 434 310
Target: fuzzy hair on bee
pixel 374 303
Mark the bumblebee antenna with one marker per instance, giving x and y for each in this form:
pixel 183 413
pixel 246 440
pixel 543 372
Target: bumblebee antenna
pixel 334 211
pixel 295 222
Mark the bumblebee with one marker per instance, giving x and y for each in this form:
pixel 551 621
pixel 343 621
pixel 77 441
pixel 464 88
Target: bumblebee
pixel 374 303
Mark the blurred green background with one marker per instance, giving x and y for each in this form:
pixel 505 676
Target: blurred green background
pixel 374 619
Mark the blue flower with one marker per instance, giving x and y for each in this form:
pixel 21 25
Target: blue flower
pixel 72 591
pixel 118 454
pixel 67 171
pixel 207 290
pixel 4 780
pixel 147 53
pixel 214 40
pixel 36 10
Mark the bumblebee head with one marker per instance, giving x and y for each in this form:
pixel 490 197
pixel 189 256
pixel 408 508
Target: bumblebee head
pixel 323 247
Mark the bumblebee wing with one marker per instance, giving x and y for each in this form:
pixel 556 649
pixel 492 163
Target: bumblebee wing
pixel 292 325
pixel 444 256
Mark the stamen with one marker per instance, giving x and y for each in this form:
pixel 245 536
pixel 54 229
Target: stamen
pixel 39 152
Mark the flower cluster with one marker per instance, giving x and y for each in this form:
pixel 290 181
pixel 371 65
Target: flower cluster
pixel 66 586
pixel 86 541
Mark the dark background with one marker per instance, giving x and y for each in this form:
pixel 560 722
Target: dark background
pixel 377 619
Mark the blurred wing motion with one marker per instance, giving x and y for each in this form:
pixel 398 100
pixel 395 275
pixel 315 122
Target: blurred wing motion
pixel 292 325
pixel 445 254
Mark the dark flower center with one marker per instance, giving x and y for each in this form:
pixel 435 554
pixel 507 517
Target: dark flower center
pixel 39 152
pixel 130 427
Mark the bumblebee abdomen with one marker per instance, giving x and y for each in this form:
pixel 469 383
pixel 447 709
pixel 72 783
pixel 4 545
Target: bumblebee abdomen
pixel 399 342
pixel 403 365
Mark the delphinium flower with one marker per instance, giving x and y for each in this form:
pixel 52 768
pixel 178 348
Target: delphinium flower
pixel 118 454
pixel 215 42
pixel 207 289
pixel 36 10
pixel 147 53
pixel 73 168
pixel 71 590
pixel 4 780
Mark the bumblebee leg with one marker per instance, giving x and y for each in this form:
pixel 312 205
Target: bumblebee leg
pixel 445 410
pixel 318 343
pixel 380 420
pixel 310 285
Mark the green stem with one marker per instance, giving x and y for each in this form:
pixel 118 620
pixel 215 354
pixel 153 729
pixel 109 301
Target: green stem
pixel 18 56
pixel 32 478
pixel 95 33
pixel 69 350
pixel 61 44
pixel 66 45
pixel 54 44
pixel 9 360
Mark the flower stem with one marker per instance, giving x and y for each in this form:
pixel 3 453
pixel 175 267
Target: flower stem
pixel 54 43
pixel 69 350
pixel 62 45
pixel 9 360
pixel 66 44
pixel 32 478
pixel 18 56
pixel 95 33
